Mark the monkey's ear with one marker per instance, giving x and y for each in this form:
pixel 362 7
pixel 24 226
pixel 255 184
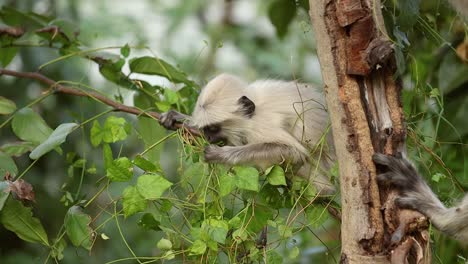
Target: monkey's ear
pixel 247 107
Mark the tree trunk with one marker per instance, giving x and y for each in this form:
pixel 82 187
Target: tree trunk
pixel 363 97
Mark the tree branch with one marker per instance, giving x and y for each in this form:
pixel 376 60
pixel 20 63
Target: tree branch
pixel 58 88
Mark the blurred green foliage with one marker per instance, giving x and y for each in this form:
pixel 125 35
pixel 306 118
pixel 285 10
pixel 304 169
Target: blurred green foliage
pixel 122 189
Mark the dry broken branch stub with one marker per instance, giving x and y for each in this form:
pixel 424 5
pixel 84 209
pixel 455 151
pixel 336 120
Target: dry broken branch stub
pixel 365 50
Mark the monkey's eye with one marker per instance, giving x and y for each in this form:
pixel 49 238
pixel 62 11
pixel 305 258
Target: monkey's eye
pixel 213 129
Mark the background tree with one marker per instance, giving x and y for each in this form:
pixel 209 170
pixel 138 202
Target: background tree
pixel 120 188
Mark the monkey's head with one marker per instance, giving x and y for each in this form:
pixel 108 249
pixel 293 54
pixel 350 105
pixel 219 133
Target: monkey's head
pixel 224 110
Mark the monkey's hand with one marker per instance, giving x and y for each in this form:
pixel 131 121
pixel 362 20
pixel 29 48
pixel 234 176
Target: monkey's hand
pixel 171 118
pixel 214 154
pixel 403 177
pixel 417 195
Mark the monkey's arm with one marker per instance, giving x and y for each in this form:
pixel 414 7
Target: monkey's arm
pixel 268 153
pixel 170 118
pixel 415 194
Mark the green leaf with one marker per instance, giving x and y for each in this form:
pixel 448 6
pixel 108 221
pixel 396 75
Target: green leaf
pixel 152 186
pixel 226 184
pixel 77 227
pixel 55 139
pixel 216 229
pixel 437 177
pixel 164 244
pixel 293 252
pixel 132 201
pixel 409 13
pixel 246 178
pixel 317 215
pixel 198 248
pixel 96 134
pixel 274 258
pixel 170 96
pixel 7 165
pixel 240 235
pixel 304 4
pixel 107 155
pixel 18 218
pixel 146 165
pixel 148 222
pixel 115 129
pixel 125 51
pixel 281 14
pixel 3 193
pixel 120 170
pixel 284 231
pixel 149 130
pixel 17 149
pixel 29 126
pixel 6 105
pixel 156 66
pixel 168 255
pixel 275 176
pixel 57 249
pixel 14 17
pixel 163 106
pixel 7 55
pixel 256 218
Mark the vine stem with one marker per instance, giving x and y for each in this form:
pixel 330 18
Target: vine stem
pixel 59 88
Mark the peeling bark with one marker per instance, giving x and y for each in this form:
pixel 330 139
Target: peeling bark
pixel 364 103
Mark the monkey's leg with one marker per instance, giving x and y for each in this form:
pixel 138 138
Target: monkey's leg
pixel 170 118
pixel 262 153
pixel 415 194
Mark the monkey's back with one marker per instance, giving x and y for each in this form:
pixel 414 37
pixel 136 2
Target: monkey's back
pixel 296 107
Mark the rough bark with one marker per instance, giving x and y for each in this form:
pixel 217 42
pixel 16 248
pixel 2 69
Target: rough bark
pixel 363 100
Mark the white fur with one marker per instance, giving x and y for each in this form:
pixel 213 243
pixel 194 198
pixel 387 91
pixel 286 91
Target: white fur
pixel 277 103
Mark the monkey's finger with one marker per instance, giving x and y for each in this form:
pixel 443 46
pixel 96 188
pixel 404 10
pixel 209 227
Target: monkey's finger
pixel 407 202
pixel 394 179
pixel 382 159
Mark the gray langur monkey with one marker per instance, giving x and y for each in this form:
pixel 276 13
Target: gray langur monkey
pixel 415 194
pixel 264 123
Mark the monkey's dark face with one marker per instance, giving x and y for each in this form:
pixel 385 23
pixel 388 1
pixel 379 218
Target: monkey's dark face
pixel 214 134
pixel 230 131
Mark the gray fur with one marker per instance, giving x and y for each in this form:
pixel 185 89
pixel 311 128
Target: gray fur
pixel 417 195
pixel 267 122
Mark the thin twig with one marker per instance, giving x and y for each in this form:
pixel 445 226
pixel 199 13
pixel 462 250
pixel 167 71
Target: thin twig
pixel 58 88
